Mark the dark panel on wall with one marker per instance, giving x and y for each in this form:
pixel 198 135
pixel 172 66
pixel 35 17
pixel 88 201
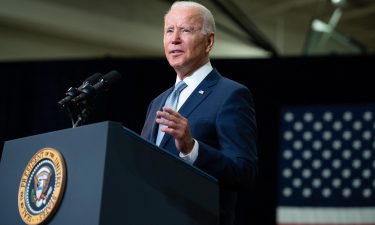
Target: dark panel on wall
pixel 30 92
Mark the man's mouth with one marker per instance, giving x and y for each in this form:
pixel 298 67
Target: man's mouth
pixel 176 52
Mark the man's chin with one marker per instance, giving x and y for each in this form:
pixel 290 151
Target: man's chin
pixel 176 65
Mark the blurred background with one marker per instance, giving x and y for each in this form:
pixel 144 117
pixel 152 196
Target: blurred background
pixel 45 29
pixel 308 64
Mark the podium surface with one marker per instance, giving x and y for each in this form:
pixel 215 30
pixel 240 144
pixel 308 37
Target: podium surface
pixel 113 176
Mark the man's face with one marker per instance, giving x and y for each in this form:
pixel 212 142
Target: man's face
pixel 185 46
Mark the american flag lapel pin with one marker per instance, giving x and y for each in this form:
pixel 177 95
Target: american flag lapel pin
pixel 201 92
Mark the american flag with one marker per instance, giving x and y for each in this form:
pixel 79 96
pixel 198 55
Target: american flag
pixel 326 167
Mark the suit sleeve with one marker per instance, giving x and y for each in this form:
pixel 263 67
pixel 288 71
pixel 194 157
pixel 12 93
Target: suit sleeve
pixel 234 161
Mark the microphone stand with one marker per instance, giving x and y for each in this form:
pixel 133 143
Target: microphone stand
pixel 78 112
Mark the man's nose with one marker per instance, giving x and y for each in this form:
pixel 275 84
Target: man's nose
pixel 176 37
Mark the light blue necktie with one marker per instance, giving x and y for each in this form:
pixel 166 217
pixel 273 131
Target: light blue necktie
pixel 171 102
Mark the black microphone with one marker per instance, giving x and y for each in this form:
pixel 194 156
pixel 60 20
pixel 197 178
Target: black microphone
pixel 104 84
pixel 73 92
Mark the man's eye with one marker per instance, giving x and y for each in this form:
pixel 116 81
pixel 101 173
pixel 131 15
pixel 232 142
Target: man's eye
pixel 169 31
pixel 186 30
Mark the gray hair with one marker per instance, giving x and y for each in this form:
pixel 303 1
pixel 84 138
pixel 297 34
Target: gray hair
pixel 208 18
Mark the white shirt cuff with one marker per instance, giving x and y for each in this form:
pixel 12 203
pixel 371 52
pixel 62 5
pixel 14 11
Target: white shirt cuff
pixel 192 156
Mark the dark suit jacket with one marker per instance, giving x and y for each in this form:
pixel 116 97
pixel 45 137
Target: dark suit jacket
pixel 221 118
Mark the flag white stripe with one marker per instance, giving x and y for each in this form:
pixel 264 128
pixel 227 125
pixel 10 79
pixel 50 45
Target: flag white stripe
pixel 326 215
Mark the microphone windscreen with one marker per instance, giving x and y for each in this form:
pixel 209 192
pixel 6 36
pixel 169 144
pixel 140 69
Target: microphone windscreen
pixel 112 77
pixel 93 78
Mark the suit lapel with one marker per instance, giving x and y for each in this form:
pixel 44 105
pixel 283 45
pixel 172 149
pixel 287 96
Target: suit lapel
pixel 200 93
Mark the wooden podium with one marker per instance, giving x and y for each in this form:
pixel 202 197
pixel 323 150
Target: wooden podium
pixel 113 176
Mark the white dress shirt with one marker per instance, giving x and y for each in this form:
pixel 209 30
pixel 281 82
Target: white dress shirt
pixel 192 82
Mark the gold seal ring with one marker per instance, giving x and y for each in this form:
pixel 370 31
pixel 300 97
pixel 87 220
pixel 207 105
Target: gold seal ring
pixel 42 186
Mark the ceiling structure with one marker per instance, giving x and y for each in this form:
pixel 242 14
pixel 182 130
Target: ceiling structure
pixel 50 29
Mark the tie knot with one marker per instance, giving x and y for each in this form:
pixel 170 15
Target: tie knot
pixel 172 100
pixel 180 86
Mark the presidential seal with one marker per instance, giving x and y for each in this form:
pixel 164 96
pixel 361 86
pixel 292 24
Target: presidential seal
pixel 42 186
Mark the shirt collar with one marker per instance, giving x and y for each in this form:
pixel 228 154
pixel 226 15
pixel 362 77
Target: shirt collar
pixel 195 78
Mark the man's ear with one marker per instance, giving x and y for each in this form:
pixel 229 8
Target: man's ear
pixel 210 41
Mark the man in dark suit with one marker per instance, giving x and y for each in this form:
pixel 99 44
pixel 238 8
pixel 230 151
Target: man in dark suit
pixel 213 126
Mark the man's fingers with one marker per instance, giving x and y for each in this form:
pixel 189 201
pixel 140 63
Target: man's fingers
pixel 168 114
pixel 172 120
pixel 164 115
pixel 170 111
pixel 166 122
